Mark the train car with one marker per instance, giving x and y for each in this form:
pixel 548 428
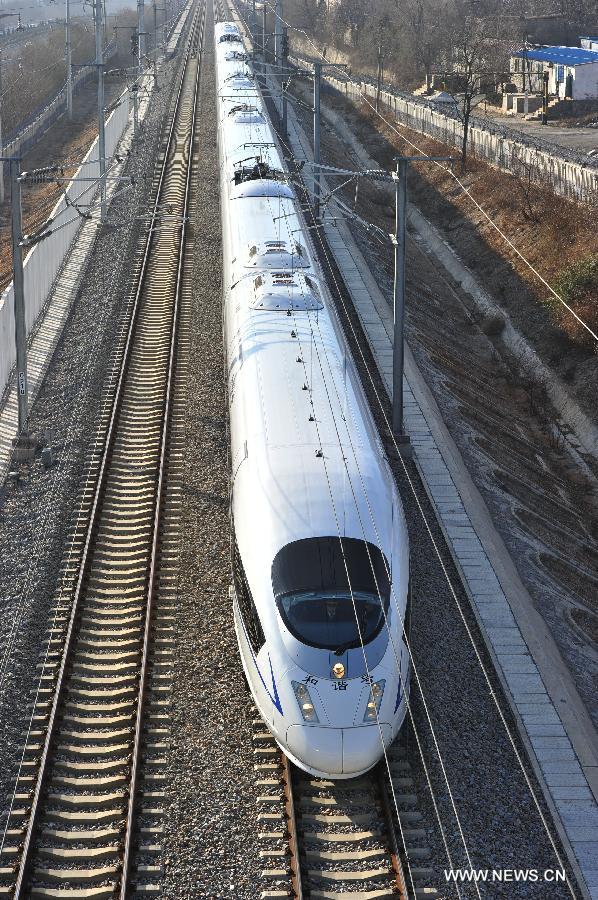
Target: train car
pixel 319 544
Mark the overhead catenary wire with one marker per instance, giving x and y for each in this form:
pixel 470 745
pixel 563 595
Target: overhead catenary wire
pixel 393 126
pixel 309 379
pixel 277 221
pixel 446 574
pixel 442 564
pixel 314 347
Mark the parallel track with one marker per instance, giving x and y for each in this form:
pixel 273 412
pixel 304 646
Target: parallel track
pixel 99 709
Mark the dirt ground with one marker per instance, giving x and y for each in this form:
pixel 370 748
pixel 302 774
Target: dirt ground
pixel 551 232
pixel 64 141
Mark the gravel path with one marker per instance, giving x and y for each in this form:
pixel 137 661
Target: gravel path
pixel 36 515
pixel 211 846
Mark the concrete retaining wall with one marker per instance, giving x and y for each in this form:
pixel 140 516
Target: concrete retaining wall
pixel 565 177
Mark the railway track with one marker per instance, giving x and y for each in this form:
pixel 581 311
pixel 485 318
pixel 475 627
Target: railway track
pixel 339 840
pixel 84 820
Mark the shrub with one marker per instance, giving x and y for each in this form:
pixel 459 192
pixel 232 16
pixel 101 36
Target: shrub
pixel 578 286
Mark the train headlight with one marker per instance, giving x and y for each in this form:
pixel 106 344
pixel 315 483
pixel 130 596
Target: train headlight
pixel 305 702
pixel 374 701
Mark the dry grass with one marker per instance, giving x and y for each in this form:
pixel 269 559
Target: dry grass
pixel 552 233
pixel 38 200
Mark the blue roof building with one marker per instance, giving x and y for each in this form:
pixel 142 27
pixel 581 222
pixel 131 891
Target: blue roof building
pixel 572 71
pixel 589 42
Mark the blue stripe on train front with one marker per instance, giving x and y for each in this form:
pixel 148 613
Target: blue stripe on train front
pixel 275 699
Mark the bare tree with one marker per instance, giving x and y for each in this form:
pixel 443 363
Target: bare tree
pixel 475 58
pixel 424 20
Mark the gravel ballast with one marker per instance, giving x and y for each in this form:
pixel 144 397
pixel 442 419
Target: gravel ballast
pixel 210 829
pixel 37 513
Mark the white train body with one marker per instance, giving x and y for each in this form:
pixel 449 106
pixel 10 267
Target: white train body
pixel 315 510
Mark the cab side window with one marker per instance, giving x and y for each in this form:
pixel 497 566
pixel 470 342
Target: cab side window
pixel 245 600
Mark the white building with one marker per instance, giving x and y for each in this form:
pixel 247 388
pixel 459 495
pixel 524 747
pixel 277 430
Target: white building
pixel 572 71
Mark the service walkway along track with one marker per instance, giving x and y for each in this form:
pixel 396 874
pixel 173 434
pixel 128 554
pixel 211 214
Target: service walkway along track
pixel 82 766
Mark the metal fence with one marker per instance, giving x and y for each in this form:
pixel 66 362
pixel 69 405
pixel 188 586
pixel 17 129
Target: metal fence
pixel 44 261
pixel 29 132
pixel 551 167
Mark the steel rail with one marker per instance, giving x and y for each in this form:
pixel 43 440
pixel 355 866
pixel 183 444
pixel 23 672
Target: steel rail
pixel 392 834
pixel 21 883
pixel 375 783
pixel 159 497
pixel 287 777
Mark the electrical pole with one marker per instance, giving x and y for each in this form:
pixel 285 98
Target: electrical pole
pixel 264 24
pixel 317 76
pixel 141 32
pixel 398 294
pixel 278 33
pixel 155 44
pixel 19 28
pixel 135 92
pixel 69 63
pixel 101 131
pixel 545 78
pixel 19 293
pixel 399 240
pixel 317 82
pixel 379 77
pixel 285 65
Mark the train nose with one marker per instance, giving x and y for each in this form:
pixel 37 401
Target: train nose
pixel 323 747
pixel 362 747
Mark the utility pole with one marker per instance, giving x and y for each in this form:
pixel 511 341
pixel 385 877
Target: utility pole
pixel 398 294
pixel 545 78
pixel 1 143
pixel 101 130
pixel 379 77
pixel 278 33
pixel 155 44
pixel 141 32
pixel 317 84
pixel 19 28
pixel 317 76
pixel 285 66
pixel 19 294
pixel 69 63
pixel 264 23
pixel 135 92
pixel 399 240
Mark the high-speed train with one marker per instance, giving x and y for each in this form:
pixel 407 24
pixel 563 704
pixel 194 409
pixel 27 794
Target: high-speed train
pixel 319 544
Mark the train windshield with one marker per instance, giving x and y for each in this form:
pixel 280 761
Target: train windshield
pixel 331 593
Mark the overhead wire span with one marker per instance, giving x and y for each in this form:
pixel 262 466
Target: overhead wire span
pixel 313 346
pixel 443 566
pixel 309 379
pixel 393 126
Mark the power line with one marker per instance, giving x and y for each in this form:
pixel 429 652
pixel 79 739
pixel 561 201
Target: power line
pixel 443 566
pixel 463 187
